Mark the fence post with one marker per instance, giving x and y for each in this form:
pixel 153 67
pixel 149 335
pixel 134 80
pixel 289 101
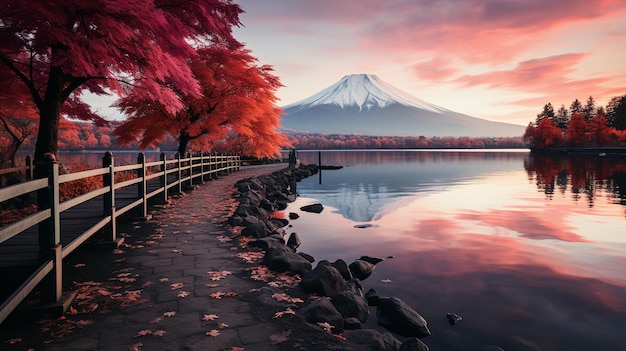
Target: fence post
pixel 163 178
pixel 190 169
pixel 201 167
pixel 108 180
pixel 141 173
pixel 29 168
pixel 180 173
pixel 50 233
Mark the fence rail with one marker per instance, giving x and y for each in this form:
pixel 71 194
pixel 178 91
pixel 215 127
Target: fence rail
pixel 152 180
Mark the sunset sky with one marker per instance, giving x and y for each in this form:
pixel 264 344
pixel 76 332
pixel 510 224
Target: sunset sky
pixel 500 60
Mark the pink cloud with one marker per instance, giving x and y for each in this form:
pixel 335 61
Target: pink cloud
pixel 437 69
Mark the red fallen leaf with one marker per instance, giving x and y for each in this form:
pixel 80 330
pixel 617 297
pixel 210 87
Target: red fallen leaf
pixel 83 322
pixel 72 311
pixel 235 348
pixel 213 333
pixel 169 314
pixel 155 320
pixel 217 295
pixel 222 325
pixel 183 293
pixel 175 286
pixel 158 332
pixel 79 265
pixel 210 317
pixel 143 332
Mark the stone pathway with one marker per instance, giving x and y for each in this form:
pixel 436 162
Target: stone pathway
pixel 179 285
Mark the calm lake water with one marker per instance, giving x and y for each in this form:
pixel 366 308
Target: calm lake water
pixel 529 251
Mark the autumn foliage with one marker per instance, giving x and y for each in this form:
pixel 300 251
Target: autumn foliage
pixel 59 50
pixel 236 111
pixel 581 126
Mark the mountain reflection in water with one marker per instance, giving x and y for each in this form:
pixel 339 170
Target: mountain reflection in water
pixel 530 251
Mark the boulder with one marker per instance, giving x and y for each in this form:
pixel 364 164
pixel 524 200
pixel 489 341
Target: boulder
pixel 371 340
pixel 257 229
pixel 352 323
pixel 372 260
pixel 324 280
pixel 342 267
pixel 453 318
pixel 413 344
pixel 293 215
pixel 361 269
pixel 294 241
pixel 351 305
pixel 307 257
pixel 323 311
pixel 398 317
pixel 372 297
pixel 314 208
pixel 285 260
pixel 266 243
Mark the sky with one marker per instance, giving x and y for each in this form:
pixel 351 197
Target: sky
pixel 500 60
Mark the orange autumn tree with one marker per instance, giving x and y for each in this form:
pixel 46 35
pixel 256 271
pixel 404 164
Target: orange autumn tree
pixel 236 112
pixel 544 135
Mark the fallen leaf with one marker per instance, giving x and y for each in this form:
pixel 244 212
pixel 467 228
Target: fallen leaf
pixel 79 265
pixel 234 348
pixel 183 293
pixel 156 320
pixel 222 325
pixel 210 317
pixel 158 332
pixel 169 314
pixel 164 279
pixel 213 333
pixel 15 341
pixel 175 286
pixel 217 295
pixel 143 332
pixel 386 281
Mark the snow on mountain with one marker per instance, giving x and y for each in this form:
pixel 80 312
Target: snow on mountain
pixel 364 104
pixel 364 91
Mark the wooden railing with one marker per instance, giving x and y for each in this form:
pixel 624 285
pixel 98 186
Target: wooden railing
pixel 172 176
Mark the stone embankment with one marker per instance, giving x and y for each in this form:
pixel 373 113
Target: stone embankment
pixel 333 296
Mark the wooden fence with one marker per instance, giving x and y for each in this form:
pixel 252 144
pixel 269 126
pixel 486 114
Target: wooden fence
pixel 153 180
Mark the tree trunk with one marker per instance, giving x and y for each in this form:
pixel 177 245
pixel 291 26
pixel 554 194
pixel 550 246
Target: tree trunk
pixel 49 114
pixel 183 141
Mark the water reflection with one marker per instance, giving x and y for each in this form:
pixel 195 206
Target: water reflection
pixel 580 176
pixel 473 236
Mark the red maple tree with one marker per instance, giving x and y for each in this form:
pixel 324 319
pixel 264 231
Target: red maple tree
pixel 61 49
pixel 236 112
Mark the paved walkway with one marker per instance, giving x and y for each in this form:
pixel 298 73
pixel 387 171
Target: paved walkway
pixel 179 283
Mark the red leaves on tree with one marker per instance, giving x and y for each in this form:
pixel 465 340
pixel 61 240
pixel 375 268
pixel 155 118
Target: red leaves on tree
pixel 62 48
pixel 236 112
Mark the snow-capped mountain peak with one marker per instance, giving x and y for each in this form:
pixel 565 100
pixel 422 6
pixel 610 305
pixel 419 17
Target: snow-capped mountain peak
pixel 364 91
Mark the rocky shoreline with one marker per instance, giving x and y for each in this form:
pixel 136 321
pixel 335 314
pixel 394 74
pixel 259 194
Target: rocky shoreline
pixel 333 296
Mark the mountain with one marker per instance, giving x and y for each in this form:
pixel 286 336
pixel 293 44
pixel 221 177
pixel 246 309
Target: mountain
pixel 364 104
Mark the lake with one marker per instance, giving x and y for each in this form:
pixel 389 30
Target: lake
pixel 529 250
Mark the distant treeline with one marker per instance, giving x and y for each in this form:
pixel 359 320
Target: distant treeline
pixel 342 141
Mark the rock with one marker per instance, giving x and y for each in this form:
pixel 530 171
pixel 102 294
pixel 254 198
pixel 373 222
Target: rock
pixel 342 267
pixel 266 243
pixel 372 260
pixel 323 311
pixel 294 241
pixel 279 222
pixel 413 344
pixel 355 286
pixel 352 323
pixel 293 215
pixel 361 269
pixel 314 208
pixel 372 297
pixel 285 260
pixel 307 257
pixel 324 280
pixel 365 226
pixel 257 229
pixel 371 340
pixel 351 305
pixel 250 210
pixel 398 317
pixel 453 318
